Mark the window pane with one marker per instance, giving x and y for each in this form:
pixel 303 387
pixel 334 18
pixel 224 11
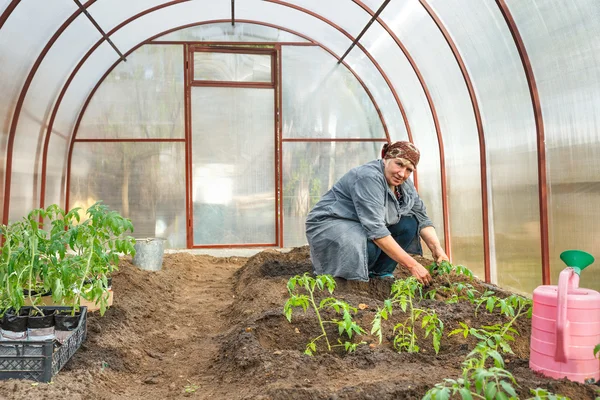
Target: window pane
pixel 232 67
pixel 309 170
pixel 322 99
pixel 141 98
pixel 142 181
pixel 233 165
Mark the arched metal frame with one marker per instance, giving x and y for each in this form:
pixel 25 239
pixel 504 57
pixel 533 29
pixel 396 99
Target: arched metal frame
pixel 436 122
pixel 541 147
pixel 541 158
pixel 279 231
pixel 480 133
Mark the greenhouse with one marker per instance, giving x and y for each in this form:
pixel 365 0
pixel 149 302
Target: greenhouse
pixel 217 126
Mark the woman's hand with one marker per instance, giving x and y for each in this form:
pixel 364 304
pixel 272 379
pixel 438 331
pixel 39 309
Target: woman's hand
pixel 439 254
pixel 421 273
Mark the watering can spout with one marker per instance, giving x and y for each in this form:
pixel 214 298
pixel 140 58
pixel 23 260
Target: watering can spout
pixel 576 259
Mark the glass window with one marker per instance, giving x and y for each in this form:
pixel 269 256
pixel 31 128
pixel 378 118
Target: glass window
pixel 232 67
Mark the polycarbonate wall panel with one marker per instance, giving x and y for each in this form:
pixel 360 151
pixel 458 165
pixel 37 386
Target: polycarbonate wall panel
pixel 233 67
pixel 142 181
pixel 429 49
pixel 55 171
pixel 352 20
pixel 109 13
pixel 322 99
pixel 296 21
pixel 233 165
pixel 397 67
pixel 338 43
pixel 373 79
pixel 309 170
pixel 3 5
pixel 562 40
pixel 32 124
pixel 141 98
pixel 345 14
pixel 488 50
pixel 22 38
pixel 167 18
pixel 225 32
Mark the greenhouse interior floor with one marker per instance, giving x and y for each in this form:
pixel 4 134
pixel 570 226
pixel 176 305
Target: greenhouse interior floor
pixel 212 328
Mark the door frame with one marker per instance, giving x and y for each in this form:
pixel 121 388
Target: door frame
pixel 275 84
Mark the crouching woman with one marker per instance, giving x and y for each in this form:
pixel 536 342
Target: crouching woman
pixel 370 221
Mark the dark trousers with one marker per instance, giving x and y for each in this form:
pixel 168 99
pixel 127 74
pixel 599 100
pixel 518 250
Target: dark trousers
pixel 406 235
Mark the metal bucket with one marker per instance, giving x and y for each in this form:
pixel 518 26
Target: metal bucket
pixel 149 253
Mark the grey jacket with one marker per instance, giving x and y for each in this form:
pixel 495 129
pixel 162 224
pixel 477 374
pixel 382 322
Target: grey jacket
pixel 359 207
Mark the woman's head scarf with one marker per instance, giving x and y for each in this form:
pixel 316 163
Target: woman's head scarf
pixel 401 149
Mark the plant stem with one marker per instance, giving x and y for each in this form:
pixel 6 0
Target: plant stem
pixel 33 242
pixel 412 324
pixel 87 267
pixel 314 304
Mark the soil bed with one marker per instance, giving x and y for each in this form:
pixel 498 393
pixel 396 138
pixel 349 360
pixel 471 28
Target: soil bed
pixel 207 327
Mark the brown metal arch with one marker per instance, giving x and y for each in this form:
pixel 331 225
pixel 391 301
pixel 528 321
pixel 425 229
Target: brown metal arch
pixel 540 135
pixel 19 105
pixel 129 20
pixel 349 36
pixel 480 133
pixel 447 241
pixel 11 7
pixel 90 95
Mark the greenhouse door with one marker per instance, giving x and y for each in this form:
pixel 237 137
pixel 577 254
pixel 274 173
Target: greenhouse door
pixel 233 136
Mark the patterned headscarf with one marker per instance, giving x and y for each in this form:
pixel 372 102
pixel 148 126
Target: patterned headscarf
pixel 401 149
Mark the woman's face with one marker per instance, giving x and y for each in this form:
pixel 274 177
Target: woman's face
pixel 397 170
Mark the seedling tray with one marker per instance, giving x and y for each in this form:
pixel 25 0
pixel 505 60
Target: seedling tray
pixel 40 360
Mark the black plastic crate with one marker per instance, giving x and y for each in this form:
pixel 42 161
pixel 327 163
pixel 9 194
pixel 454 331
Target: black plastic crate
pixel 40 360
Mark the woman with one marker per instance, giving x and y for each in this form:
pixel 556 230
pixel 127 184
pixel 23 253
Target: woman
pixel 371 219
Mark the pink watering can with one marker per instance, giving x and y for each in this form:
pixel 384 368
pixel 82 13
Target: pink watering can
pixel 565 325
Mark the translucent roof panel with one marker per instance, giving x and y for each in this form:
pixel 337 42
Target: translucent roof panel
pixel 566 64
pixel 22 38
pixel 110 13
pixel 225 32
pixel 74 98
pixel 45 87
pixel 140 99
pixel 487 47
pixel 345 14
pixel 322 99
pixel 429 50
pixel 3 5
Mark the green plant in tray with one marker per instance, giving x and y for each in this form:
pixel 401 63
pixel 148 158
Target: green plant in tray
pixel 346 325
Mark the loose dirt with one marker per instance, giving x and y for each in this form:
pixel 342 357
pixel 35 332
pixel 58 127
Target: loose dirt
pixel 213 328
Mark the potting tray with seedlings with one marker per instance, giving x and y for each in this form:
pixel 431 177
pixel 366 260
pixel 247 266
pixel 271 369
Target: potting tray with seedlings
pixel 54 253
pixel 36 347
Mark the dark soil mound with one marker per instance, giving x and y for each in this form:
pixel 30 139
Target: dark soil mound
pixel 266 351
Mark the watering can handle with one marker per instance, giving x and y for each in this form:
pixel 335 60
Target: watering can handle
pixel 567 280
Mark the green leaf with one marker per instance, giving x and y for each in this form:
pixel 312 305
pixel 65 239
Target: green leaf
pixel 508 388
pixel 465 394
pixel 597 350
pixel 501 396
pixel 490 390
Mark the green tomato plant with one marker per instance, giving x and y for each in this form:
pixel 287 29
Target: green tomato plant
pixel 477 380
pixel 454 289
pixel 97 244
pixel 51 250
pixel 499 336
pixel 403 293
pixel 345 325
